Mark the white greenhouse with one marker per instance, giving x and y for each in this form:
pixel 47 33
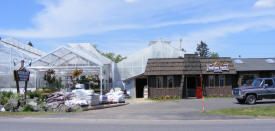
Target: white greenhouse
pixel 129 73
pixel 12 52
pixel 66 60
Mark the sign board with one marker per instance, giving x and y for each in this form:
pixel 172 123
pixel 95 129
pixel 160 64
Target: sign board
pixel 21 75
pixel 217 67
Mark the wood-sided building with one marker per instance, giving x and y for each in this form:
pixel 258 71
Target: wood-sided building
pixel 250 68
pixel 182 77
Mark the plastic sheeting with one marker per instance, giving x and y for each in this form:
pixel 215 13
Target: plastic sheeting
pixel 11 53
pixel 91 50
pixel 135 64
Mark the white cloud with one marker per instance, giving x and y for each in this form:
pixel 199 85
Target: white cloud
pixel 264 4
pixel 212 35
pixel 67 18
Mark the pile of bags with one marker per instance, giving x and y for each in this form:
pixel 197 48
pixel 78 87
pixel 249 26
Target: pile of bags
pixel 80 97
pixel 83 97
pixel 116 95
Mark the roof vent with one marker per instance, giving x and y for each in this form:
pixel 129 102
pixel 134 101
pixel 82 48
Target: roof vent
pixel 271 61
pixel 238 61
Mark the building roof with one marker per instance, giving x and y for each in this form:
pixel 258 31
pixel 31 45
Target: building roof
pixel 254 64
pixel 191 64
pixel 72 55
pixel 22 47
pixel 165 66
pixel 88 48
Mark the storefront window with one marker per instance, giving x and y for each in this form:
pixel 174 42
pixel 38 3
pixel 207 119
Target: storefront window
pixel 221 80
pixel 247 80
pixel 211 80
pixel 170 81
pixel 159 82
pixel 217 80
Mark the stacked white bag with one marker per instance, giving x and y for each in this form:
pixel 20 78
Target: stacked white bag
pixel 89 96
pixel 116 95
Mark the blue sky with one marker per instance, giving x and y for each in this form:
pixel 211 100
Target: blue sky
pixel 229 27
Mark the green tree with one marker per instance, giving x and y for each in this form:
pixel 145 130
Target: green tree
pixel 30 44
pixel 202 50
pixel 119 58
pixel 112 56
pixel 214 55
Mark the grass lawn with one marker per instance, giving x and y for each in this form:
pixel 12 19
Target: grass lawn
pixel 250 111
pixel 163 100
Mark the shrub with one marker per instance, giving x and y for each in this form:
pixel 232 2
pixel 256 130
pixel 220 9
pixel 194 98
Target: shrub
pixel 3 100
pixel 6 94
pixel 27 108
pixel 34 94
pixel 16 96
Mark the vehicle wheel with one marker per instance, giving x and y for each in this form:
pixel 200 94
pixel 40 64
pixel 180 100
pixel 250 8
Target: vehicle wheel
pixel 250 99
pixel 241 101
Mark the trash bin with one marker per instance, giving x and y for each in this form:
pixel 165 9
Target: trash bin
pixel 198 93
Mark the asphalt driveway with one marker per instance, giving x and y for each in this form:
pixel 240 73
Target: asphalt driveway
pixel 185 109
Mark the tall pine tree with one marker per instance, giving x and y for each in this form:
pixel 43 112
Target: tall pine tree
pixel 202 50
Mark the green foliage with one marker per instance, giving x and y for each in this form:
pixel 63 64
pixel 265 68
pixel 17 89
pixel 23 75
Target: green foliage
pixel 30 44
pixel 38 94
pixel 17 96
pixel 250 111
pixel 214 55
pixel 58 83
pixel 112 56
pixel 7 94
pixel 202 50
pixel 31 95
pixel 3 100
pixel 165 98
pixel 27 108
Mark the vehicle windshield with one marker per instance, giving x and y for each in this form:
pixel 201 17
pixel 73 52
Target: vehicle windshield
pixel 257 82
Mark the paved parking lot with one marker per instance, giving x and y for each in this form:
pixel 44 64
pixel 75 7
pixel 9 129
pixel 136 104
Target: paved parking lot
pixel 185 109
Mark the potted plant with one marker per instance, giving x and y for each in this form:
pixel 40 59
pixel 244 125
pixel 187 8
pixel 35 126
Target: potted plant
pixel 50 76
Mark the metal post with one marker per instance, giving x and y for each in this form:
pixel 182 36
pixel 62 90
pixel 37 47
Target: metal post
pixel 203 104
pixel 113 74
pixel 35 80
pixel 101 80
pixel 10 71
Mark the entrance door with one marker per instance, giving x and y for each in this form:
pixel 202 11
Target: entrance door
pixel 191 86
pixel 140 83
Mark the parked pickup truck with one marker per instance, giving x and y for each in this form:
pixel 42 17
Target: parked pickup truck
pixel 261 88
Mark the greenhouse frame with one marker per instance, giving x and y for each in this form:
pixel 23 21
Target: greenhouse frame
pixel 66 59
pixel 12 52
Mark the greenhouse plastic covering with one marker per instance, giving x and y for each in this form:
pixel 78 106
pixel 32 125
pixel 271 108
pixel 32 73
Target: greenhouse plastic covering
pixel 11 53
pixel 73 55
pixel 66 59
pixel 135 64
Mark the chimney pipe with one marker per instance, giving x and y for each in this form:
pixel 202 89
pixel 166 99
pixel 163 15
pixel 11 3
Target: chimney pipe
pixel 180 44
